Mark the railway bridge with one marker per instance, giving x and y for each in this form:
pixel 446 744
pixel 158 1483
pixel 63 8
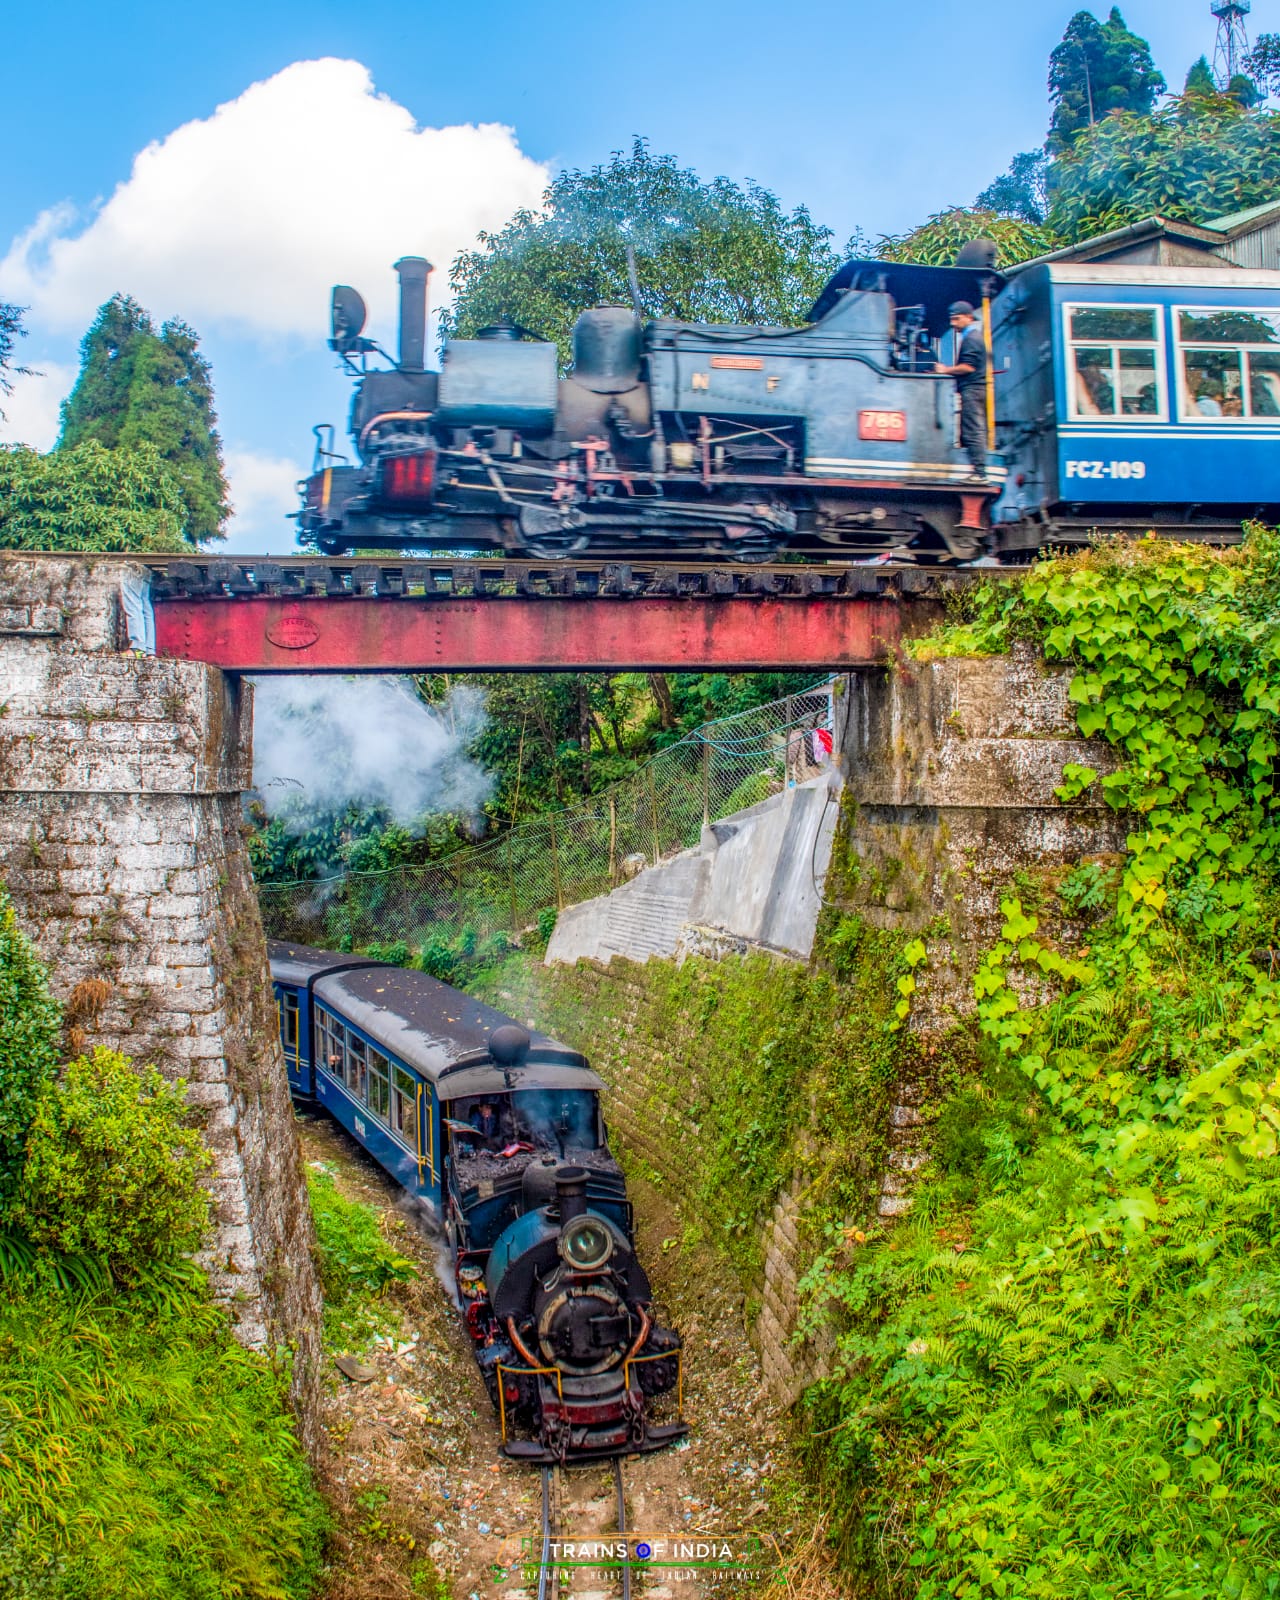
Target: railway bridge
pixel 310 615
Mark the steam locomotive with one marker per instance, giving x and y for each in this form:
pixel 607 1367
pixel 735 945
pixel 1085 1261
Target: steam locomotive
pixel 1120 397
pixel 498 1132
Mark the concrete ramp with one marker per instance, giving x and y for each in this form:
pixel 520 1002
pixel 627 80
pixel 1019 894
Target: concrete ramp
pixel 754 880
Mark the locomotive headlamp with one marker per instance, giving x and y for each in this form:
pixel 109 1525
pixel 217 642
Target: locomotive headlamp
pixel 585 1244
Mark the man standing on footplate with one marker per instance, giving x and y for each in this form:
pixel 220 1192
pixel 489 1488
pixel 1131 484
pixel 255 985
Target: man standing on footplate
pixel 970 373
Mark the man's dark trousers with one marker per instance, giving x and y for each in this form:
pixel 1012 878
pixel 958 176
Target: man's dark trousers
pixel 973 426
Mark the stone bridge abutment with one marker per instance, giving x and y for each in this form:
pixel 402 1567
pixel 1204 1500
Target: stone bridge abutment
pixel 122 847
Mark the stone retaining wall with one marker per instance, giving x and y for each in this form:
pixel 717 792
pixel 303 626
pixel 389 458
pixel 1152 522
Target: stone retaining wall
pixel 121 844
pixel 950 769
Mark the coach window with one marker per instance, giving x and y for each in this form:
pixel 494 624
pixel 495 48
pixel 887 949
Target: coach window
pixel 333 1046
pixel 357 1067
pixel 404 1107
pixel 1230 364
pixel 290 1020
pixel 1116 362
pixel 378 1084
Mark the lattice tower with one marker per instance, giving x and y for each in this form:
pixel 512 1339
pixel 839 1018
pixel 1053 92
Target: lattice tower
pixel 1233 39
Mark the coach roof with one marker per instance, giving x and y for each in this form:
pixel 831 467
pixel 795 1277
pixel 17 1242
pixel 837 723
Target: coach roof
pixel 298 964
pixel 445 1034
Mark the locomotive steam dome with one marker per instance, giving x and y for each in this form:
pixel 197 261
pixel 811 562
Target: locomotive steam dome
pixel 606 349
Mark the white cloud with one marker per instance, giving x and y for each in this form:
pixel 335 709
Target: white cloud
pixel 263 496
pixel 31 411
pixel 245 218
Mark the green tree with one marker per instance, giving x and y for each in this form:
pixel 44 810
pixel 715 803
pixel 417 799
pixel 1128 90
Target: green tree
pixel 89 498
pixel 139 387
pixel 30 1026
pixel 1098 68
pixel 1244 91
pixel 1021 193
pixel 1200 79
pixel 937 242
pixel 712 252
pixel 1263 63
pixel 1199 157
pixel 11 330
pixel 113 1167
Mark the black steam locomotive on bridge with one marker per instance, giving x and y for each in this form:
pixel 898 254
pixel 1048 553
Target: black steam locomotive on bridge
pixel 1119 397
pixel 498 1133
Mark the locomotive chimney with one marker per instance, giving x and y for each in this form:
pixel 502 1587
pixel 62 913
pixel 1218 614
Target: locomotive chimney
pixel 414 272
pixel 571 1192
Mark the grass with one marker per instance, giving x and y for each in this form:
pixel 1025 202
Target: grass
pixel 357 1265
pixel 145 1453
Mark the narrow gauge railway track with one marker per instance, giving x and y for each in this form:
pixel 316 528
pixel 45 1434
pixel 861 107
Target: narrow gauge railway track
pixel 546 1578
pixel 549 1586
pixel 312 578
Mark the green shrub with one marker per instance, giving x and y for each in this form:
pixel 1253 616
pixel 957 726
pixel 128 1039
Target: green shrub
pixel 397 954
pixel 456 960
pixel 113 1167
pixel 146 1455
pixel 30 1021
pixel 357 1265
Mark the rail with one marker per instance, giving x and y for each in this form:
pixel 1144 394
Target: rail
pixel 544 1564
pixel 316 578
pixel 620 1496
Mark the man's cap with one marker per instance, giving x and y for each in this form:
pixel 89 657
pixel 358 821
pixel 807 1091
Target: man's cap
pixel 961 308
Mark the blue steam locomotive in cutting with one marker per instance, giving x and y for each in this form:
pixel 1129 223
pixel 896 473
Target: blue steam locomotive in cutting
pixel 498 1132
pixel 1120 397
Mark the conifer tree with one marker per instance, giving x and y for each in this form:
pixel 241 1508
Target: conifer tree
pixel 139 387
pixel 1098 68
pixel 11 330
pixel 1200 79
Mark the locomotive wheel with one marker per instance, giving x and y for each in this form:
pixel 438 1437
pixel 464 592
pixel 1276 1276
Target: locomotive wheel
pixel 752 555
pixel 555 548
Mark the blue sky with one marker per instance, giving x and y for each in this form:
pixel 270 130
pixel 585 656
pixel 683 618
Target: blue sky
pixel 131 178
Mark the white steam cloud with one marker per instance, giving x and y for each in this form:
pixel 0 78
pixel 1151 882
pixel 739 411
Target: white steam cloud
pixel 244 219
pixel 328 742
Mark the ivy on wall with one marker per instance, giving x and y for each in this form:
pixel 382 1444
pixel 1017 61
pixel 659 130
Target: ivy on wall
pixel 1057 1377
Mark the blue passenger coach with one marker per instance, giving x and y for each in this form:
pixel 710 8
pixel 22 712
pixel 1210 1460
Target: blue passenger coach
pixel 1126 391
pixel 394 1055
pixel 294 971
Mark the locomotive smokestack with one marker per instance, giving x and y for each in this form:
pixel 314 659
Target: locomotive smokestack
pixel 571 1192
pixel 414 272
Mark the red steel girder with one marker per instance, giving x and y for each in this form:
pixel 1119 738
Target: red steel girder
pixel 366 634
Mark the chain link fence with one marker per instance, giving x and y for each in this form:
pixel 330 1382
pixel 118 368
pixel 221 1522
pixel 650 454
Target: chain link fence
pixel 562 857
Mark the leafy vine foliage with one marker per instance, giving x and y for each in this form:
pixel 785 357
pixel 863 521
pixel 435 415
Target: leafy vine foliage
pixel 1057 1377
